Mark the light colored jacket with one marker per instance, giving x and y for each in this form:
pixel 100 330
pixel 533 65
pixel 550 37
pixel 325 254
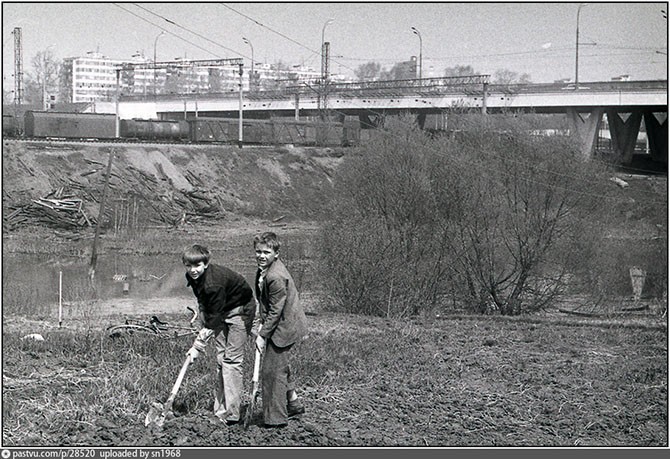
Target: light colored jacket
pixel 280 312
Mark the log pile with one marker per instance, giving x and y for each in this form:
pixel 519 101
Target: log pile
pixel 140 199
pixel 56 210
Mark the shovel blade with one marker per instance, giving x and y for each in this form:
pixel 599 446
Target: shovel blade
pixel 251 409
pixel 156 415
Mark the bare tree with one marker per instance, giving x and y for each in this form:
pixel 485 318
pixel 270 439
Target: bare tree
pixel 369 71
pixel 505 76
pixel 43 80
pixel 459 70
pixel 399 71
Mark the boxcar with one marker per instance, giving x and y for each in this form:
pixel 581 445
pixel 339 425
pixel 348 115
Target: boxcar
pixel 274 131
pixel 10 126
pixel 70 125
pixel 220 130
pixel 225 130
pixel 161 130
pixel 293 131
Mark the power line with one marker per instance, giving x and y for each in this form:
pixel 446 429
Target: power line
pixel 165 30
pixel 189 30
pixel 270 29
pixel 317 53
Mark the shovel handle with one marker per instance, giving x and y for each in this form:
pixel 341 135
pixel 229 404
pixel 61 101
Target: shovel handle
pixel 180 378
pixel 257 360
pixel 257 366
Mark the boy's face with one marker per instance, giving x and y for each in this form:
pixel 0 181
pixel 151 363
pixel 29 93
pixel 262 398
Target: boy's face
pixel 195 270
pixel 265 255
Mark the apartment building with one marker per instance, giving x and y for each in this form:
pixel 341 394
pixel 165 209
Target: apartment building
pixel 92 78
pixel 89 78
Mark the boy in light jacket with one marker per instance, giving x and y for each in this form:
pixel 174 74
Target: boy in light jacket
pixel 283 324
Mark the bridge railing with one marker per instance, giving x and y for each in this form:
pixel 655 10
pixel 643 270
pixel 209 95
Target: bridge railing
pixel 525 88
pixel 470 85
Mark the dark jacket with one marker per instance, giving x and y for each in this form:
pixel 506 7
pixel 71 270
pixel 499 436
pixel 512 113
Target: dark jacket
pixel 221 293
pixel 282 316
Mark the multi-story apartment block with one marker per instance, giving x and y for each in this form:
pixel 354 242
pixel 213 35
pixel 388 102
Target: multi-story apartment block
pixel 92 78
pixel 88 79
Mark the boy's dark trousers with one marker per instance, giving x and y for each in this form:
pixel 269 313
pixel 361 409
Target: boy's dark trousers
pixel 276 381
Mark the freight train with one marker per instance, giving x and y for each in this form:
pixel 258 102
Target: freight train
pixel 102 127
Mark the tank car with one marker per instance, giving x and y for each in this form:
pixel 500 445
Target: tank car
pixel 154 130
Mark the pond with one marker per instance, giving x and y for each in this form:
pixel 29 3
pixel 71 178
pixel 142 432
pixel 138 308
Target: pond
pixel 32 285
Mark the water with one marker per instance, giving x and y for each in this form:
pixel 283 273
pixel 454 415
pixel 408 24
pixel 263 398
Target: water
pixel 29 283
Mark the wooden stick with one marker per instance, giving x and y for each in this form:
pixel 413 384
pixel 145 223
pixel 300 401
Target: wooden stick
pixel 60 298
pixel 101 216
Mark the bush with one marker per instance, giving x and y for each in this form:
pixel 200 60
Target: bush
pixel 490 218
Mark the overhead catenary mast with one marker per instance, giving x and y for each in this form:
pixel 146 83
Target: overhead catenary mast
pixel 18 67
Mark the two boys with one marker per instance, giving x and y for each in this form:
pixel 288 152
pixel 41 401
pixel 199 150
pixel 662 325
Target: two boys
pixel 228 315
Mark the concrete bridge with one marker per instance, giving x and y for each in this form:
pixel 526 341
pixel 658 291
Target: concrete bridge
pixel 625 103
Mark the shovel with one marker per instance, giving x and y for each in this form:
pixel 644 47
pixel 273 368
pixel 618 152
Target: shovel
pixel 254 379
pixel 159 411
pixel 254 392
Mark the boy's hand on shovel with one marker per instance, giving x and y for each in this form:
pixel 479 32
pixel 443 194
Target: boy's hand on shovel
pixel 193 353
pixel 260 343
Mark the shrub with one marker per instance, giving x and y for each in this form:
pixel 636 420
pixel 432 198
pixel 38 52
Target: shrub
pixel 493 217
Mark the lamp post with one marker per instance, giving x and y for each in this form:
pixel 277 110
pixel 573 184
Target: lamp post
pixel 155 43
pixel 323 96
pixel 579 9
pixel 416 32
pixel 251 74
pixel 324 57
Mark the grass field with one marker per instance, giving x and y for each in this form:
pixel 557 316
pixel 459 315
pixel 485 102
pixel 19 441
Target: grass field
pixel 457 381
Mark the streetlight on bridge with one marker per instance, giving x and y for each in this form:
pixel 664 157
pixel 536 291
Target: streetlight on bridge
pixel 416 32
pixel 251 74
pixel 155 43
pixel 324 54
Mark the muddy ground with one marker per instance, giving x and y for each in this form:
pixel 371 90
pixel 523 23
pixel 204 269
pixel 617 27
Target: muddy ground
pixel 458 381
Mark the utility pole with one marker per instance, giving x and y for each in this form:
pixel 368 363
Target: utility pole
pixel 240 127
pixel 18 67
pixel 579 9
pixel 325 71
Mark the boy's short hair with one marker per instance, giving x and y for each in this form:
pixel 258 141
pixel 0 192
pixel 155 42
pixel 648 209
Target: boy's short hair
pixel 195 254
pixel 268 238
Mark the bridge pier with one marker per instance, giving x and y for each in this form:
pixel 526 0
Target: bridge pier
pixel 586 129
pixel 657 133
pixel 624 134
pixel 421 120
pixel 296 113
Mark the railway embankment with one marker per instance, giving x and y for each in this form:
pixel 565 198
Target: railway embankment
pixel 61 184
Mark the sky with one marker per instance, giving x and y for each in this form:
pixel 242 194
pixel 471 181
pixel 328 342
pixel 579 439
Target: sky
pixel 616 38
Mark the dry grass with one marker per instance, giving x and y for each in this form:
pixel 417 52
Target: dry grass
pixel 460 381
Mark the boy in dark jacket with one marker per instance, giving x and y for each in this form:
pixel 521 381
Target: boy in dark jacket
pixel 225 311
pixel 283 324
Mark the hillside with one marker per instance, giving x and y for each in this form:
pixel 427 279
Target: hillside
pixel 160 184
